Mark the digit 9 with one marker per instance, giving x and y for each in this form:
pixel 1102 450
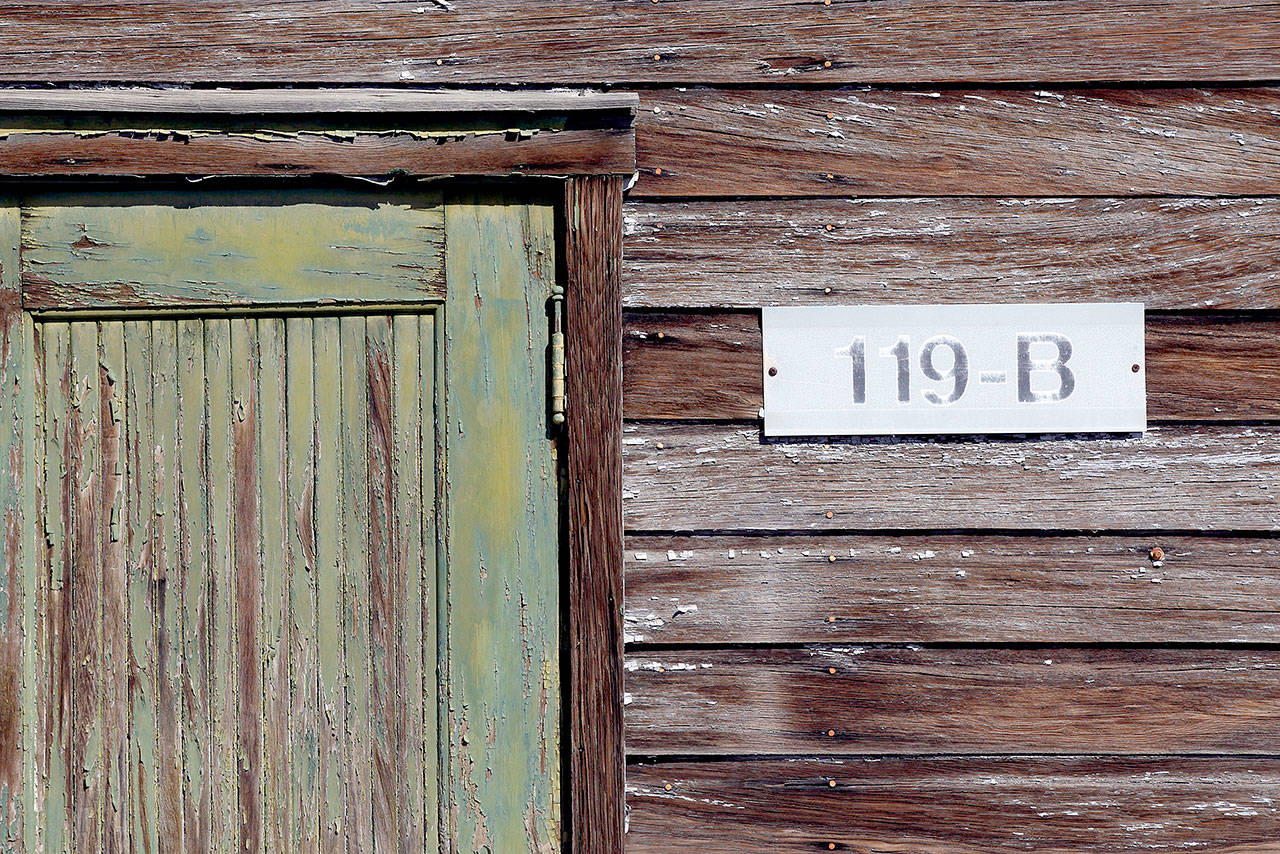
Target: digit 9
pixel 958 373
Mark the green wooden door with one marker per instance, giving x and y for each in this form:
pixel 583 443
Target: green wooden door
pixel 298 585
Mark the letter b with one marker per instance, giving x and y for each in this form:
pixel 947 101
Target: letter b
pixel 1028 365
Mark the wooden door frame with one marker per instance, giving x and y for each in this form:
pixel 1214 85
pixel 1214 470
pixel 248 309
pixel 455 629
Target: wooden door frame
pixel 584 140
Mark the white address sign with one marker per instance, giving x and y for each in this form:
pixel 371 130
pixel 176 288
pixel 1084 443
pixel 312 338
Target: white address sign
pixel 954 369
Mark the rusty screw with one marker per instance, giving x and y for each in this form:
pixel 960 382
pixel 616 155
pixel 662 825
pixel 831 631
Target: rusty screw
pixel 1136 368
pixel 773 372
pixel 1156 554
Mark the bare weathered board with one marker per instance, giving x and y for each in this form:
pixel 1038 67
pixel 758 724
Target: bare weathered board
pixel 592 41
pixel 1167 253
pixel 958 142
pixel 950 588
pixel 867 700
pixel 695 477
pixel 999 805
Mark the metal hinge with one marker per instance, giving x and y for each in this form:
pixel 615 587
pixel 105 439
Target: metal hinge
pixel 557 356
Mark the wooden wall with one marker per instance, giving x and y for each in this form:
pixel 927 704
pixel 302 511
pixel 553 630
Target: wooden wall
pixel 942 646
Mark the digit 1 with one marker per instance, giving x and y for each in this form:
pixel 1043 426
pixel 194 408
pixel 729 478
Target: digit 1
pixel 902 352
pixel 857 351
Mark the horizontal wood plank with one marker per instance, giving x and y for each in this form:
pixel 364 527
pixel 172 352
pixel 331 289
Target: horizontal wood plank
pixel 956 806
pixel 361 101
pixel 509 41
pixel 167 151
pixel 696 365
pixel 229 248
pixel 699 477
pixel 1180 253
pixel 982 142
pixel 913 700
pixel 951 589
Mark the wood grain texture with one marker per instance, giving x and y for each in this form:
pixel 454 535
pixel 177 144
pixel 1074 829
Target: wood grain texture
pixel 956 806
pixel 708 365
pixel 711 477
pixel 272 392
pixel 361 102
pixel 17 554
pixel 386 699
pixel 958 142
pixel 502 537
pixel 83 473
pixel 112 402
pixel 591 41
pixel 910 700
pixel 951 589
pixel 171 151
pixel 232 249
pixel 55 381
pixel 246 468
pixel 593 425
pixel 196 650
pixel 1174 253
pixel 305 711
pixel 167 578
pixel 224 827
pixel 342 592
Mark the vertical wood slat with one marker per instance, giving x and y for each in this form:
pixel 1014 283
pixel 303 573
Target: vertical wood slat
pixel 17 702
pixel 167 578
pixel 384 595
pixel 196 652
pixel 58 507
pixel 430 595
pixel 140 491
pixel 593 250
pixel 304 681
pixel 502 544
pixel 83 460
pixel 246 525
pixel 224 821
pixel 352 398
pixel 115 606
pixel 329 578
pixel 409 499
pixel 272 393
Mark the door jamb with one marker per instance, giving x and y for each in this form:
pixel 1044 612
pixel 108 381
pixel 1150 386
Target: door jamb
pixel 587 140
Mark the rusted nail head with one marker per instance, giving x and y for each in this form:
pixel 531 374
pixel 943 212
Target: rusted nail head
pixel 830 515
pixel 1157 553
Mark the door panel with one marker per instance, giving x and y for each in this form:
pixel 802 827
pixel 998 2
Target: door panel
pixel 300 583
pixel 231 247
pixel 268 542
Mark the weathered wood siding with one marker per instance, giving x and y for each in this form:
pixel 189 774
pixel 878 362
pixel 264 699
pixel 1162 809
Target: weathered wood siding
pixel 205 513
pixel 838 152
